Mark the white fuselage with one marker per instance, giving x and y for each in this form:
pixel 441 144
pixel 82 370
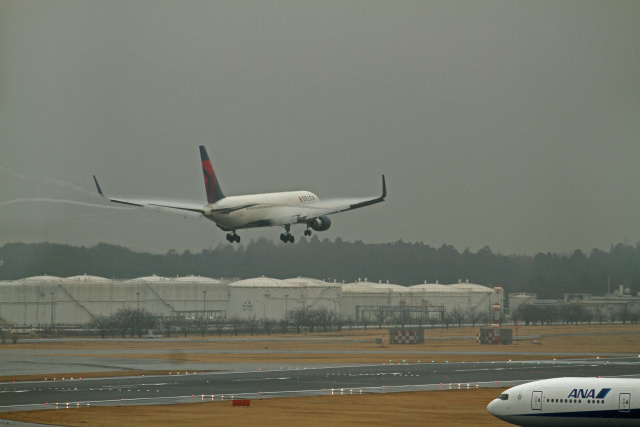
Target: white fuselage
pixel 571 402
pixel 258 210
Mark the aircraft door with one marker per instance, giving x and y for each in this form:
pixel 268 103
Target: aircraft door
pixel 536 400
pixel 625 402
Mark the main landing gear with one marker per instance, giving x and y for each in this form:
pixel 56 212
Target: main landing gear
pixel 287 237
pixel 307 232
pixel 233 237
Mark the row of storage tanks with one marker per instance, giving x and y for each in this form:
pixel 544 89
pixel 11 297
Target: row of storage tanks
pixel 43 300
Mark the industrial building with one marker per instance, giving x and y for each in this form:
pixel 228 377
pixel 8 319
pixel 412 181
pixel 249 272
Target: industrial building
pixel 47 300
pixel 609 307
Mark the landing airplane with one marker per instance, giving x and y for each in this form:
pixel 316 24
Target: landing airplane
pixel 258 210
pixel 571 402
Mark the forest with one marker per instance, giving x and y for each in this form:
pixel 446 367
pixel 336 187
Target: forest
pixel 547 274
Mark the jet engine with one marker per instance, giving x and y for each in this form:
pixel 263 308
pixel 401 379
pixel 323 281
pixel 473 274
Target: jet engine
pixel 322 223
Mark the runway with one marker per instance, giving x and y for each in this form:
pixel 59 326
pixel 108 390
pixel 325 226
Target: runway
pixel 285 380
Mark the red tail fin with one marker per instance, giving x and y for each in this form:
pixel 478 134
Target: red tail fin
pixel 211 184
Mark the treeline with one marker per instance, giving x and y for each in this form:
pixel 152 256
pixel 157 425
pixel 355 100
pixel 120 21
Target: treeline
pixel 549 275
pixel 132 322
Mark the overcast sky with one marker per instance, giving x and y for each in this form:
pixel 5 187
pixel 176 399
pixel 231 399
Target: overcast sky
pixel 509 124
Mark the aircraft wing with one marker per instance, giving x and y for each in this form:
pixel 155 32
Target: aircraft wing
pixel 328 207
pixel 301 213
pixel 232 208
pixel 183 206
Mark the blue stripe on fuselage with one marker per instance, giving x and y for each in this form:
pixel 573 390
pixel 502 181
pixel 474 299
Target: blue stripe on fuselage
pixel 609 413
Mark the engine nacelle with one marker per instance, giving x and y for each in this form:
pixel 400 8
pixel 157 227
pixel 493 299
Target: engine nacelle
pixel 322 223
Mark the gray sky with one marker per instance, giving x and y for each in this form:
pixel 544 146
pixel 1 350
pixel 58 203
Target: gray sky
pixel 509 124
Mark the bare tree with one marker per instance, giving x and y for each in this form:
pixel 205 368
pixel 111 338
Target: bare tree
pixel 219 324
pixel 433 321
pixel 167 324
pixel 381 316
pixel 184 324
pixel 474 315
pixel 102 324
pixel 236 324
pixel 124 320
pixel 350 322
pixel 284 325
pixel 325 317
pixel 252 325
pixel 339 322
pixel 458 316
pixel 298 318
pixel 203 324
pixel 625 314
pixel 401 315
pixel 599 316
pixel 267 325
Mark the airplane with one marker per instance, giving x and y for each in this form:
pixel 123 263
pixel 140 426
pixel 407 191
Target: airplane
pixel 282 209
pixel 571 402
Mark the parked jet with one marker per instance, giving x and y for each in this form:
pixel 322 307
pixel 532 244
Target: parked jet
pixel 571 402
pixel 258 210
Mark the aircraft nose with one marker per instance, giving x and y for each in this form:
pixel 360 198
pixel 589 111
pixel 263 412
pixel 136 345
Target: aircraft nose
pixel 496 408
pixel 491 407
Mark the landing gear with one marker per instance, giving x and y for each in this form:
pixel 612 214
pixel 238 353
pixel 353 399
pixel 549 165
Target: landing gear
pixel 307 232
pixel 233 237
pixel 287 237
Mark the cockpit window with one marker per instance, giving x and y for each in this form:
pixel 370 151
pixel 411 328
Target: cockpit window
pixel 503 396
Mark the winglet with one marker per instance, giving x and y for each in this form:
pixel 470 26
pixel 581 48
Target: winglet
pixel 99 189
pixel 384 188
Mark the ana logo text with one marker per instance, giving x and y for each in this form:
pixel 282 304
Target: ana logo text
pixel 579 393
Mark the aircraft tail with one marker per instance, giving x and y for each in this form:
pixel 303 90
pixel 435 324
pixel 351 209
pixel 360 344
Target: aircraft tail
pixel 211 184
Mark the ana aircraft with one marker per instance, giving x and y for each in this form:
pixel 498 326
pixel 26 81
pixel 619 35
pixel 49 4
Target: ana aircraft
pixel 258 210
pixel 571 402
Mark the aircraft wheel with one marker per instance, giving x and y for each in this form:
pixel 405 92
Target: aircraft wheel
pixel 282 237
pixel 237 238
pixel 291 238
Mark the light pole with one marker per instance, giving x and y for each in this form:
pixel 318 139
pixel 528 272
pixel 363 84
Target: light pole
pixel 52 294
pixel 136 326
pixel 204 302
